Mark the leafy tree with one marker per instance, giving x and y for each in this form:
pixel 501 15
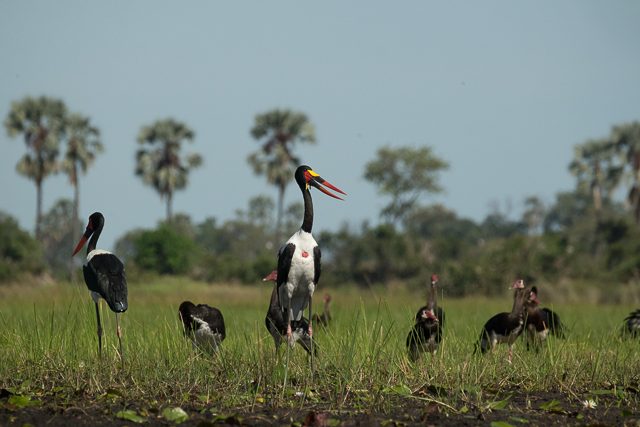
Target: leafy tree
pixel 41 122
pixel 83 144
pixel 405 174
pixel 626 139
pixel 159 162
pixel 595 167
pixel 534 213
pixel 278 131
pixel 59 227
pixel 165 251
pixel 20 254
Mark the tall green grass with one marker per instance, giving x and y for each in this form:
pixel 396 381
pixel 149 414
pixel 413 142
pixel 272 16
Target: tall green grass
pixel 48 346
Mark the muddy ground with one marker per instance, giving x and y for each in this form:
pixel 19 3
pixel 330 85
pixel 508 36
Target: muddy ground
pixel 542 409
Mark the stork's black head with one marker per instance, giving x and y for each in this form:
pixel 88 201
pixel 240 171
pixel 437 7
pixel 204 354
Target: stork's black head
pixel 96 222
pixel 306 177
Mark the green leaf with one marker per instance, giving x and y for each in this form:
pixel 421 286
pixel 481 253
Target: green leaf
pixel 501 424
pixel 602 392
pixel 20 401
pixel 177 415
pixel 130 415
pixel 552 406
pixel 519 420
pixel 499 404
pixel 400 389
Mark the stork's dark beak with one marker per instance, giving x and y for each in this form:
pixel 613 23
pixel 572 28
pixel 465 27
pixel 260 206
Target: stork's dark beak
pixel 87 233
pixel 317 181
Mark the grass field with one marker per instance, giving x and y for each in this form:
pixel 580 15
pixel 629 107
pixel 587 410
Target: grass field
pixel 48 354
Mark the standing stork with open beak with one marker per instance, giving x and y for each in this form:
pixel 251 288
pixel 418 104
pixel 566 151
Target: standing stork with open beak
pixel 299 258
pixel 104 276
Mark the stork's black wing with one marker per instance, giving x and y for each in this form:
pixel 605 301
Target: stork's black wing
pixel 316 264
pixel 284 262
pixel 104 274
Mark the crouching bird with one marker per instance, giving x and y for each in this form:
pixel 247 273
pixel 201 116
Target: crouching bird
pixel 324 318
pixel 104 276
pixel 203 324
pixel 631 325
pixel 426 334
pixel 505 327
pixel 540 322
pixel 277 326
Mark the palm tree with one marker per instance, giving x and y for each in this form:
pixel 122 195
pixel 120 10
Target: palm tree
pixel 278 130
pixel 626 139
pixel 595 167
pixel 159 163
pixel 41 122
pixel 83 144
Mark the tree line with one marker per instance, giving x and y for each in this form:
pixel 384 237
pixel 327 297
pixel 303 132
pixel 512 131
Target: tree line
pixel 584 234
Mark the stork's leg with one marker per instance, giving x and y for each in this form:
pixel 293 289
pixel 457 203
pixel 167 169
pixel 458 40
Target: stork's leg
pixel 311 335
pixel 119 334
pixel 289 330
pixel 510 354
pixel 99 330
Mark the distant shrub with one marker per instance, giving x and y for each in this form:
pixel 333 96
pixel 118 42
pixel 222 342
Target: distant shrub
pixel 20 254
pixel 164 251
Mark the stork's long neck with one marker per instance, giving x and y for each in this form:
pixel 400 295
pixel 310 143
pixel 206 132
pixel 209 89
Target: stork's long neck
pixel 94 239
pixel 307 222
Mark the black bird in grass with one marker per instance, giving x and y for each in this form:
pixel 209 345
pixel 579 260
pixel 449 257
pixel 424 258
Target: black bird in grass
pixel 104 276
pixel 203 324
pixel 505 327
pixel 299 258
pixel 277 326
pixel 540 322
pixel 632 324
pixel 426 334
pixel 324 318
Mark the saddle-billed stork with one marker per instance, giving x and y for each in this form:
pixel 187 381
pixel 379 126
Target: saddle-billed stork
pixel 104 276
pixel 277 326
pixel 324 318
pixel 299 258
pixel 540 322
pixel 426 334
pixel 632 324
pixel 505 327
pixel 203 324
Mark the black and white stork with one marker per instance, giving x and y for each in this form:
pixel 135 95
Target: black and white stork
pixel 203 324
pixel 632 324
pixel 324 318
pixel 505 327
pixel 277 326
pixel 540 322
pixel 104 276
pixel 299 258
pixel 426 334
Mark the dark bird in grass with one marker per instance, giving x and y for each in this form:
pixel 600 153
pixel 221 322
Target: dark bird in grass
pixel 299 258
pixel 540 322
pixel 203 324
pixel 426 334
pixel 104 276
pixel 505 328
pixel 277 326
pixel 632 324
pixel 324 318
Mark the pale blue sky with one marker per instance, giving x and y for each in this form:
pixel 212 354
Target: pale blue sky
pixel 502 90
